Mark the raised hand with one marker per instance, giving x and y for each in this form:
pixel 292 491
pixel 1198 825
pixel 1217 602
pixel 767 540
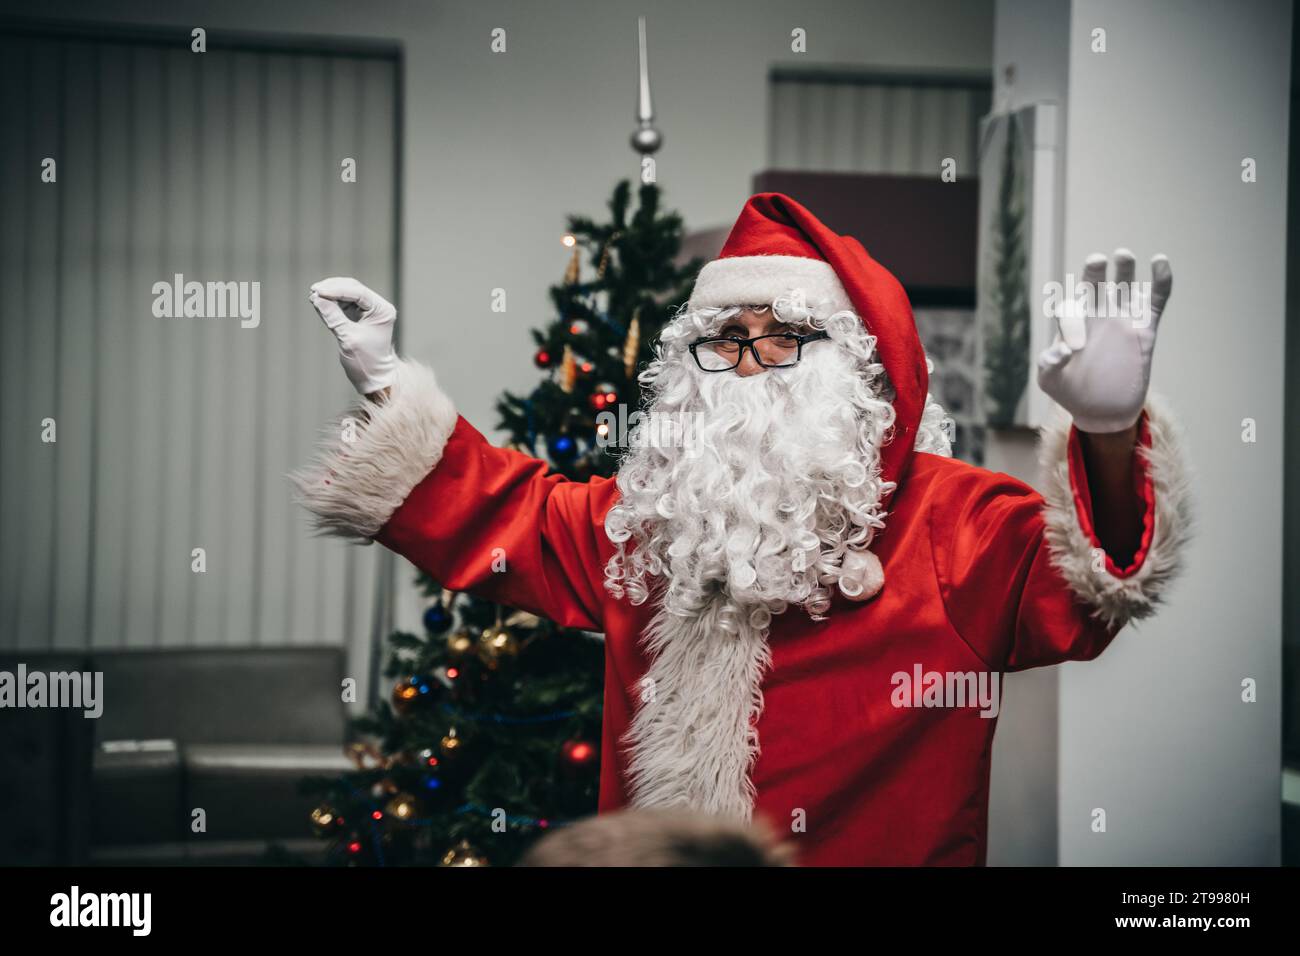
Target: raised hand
pixel 362 321
pixel 1099 366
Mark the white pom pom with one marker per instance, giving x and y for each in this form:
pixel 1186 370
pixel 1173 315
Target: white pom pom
pixel 861 576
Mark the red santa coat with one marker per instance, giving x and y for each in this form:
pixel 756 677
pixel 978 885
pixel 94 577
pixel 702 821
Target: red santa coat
pixel 983 575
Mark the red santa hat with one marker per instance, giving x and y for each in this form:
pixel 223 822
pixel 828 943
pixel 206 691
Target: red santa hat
pixel 776 246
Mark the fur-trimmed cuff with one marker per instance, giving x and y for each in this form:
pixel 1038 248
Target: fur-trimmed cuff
pixel 1118 596
pixel 372 456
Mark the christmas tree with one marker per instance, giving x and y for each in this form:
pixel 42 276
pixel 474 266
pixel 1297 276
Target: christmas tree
pixel 492 735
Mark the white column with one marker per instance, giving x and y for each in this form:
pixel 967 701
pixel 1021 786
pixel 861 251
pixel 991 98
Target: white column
pixel 1155 732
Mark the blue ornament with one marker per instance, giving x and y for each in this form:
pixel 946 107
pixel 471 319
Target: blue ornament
pixel 563 447
pixel 437 619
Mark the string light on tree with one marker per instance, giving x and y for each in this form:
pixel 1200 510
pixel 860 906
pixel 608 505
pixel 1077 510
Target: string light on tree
pixel 603 396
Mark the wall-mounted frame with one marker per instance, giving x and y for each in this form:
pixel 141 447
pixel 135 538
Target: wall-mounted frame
pixel 1017 256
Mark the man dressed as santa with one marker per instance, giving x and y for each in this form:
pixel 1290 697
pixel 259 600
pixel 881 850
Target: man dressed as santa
pixel 763 585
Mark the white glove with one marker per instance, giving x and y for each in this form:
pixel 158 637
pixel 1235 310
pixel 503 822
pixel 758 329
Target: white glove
pixel 1099 366
pixel 362 321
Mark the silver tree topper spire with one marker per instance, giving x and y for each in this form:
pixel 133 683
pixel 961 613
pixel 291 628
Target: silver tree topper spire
pixel 646 139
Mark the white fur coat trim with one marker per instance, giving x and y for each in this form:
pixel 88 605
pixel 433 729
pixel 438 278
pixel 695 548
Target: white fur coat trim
pixel 750 280
pixel 353 487
pixel 1114 600
pixel 694 738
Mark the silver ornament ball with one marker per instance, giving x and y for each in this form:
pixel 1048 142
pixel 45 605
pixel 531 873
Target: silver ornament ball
pixel 647 140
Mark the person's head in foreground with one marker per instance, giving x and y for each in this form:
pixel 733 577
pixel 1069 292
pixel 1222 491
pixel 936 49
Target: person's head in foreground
pixel 660 838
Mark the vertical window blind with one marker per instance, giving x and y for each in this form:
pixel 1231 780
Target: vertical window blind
pixel 176 433
pixel 871 122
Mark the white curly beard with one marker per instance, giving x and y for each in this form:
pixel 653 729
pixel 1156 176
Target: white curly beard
pixel 777 480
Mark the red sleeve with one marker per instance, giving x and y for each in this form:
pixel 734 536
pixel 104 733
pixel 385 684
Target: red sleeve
pixel 1143 488
pixel 1007 591
pixel 491 522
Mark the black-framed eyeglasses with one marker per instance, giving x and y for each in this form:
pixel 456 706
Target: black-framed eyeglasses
pixel 779 350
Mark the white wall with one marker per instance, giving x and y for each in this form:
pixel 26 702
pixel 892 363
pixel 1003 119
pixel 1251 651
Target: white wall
pixel 1155 732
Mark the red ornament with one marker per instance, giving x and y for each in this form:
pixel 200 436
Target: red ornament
pixel 602 397
pixel 542 359
pixel 578 753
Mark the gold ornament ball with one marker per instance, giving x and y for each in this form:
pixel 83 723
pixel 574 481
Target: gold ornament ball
pixel 324 820
pixel 460 644
pixel 496 644
pixel 402 808
pixel 463 854
pixel 451 745
pixel 405 696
